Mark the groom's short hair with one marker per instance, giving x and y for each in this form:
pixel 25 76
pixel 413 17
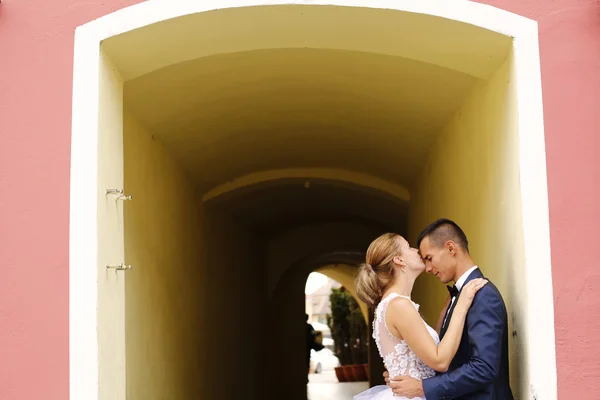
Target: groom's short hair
pixel 442 230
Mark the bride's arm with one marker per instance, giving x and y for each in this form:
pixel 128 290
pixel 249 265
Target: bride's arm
pixel 407 321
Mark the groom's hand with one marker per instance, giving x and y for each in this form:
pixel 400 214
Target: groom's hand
pixel 386 376
pixel 407 387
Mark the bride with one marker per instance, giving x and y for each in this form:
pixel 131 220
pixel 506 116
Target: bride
pixel 406 343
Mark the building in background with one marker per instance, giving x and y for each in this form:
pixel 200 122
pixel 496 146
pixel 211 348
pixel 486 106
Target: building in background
pixel 318 305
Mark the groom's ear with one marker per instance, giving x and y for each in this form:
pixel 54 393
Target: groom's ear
pixel 451 247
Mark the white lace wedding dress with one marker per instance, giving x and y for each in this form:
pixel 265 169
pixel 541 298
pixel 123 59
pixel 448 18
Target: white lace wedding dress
pixel 399 359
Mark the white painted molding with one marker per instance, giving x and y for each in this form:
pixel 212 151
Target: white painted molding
pixel 83 224
pixel 535 215
pixel 153 11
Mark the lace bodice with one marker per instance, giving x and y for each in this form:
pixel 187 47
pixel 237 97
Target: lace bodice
pixel 399 359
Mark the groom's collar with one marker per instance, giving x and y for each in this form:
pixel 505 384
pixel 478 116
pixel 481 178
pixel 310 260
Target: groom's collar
pixel 463 278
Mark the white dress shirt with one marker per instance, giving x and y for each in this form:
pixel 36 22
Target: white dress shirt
pixel 461 281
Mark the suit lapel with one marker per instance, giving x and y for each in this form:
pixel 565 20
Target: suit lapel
pixel 475 274
pixel 448 317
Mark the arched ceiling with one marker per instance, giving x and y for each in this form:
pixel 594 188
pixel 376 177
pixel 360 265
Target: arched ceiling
pixel 240 90
pixel 222 28
pixel 274 209
pixel 336 177
pixel 229 115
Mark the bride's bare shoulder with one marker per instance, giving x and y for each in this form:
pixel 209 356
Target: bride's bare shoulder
pixel 402 306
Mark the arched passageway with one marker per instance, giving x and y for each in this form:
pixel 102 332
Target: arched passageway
pixel 305 226
pixel 261 152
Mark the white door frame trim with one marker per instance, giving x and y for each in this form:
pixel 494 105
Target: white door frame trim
pixel 83 253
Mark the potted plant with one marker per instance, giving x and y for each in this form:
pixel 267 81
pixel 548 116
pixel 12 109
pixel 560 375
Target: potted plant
pixel 359 341
pixel 339 325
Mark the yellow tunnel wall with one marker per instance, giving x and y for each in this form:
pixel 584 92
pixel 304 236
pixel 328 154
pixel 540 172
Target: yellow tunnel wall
pixel 472 177
pixel 196 296
pixel 163 231
pixel 236 309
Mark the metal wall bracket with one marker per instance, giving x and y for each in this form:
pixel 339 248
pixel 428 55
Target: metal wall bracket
pixel 118 192
pixel 120 267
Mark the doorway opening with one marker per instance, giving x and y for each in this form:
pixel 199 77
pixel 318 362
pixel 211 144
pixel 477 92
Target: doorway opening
pixel 261 152
pixel 337 338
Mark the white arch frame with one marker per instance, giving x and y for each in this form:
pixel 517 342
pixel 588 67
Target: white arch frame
pixel 83 289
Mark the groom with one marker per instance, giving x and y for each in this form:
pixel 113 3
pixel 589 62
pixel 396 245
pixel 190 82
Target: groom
pixel 479 371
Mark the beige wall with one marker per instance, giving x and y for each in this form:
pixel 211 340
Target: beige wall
pixel 195 293
pixel 163 230
pixel 111 283
pixel 472 177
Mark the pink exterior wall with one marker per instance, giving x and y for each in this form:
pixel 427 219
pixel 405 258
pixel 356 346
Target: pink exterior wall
pixel 36 53
pixel 569 33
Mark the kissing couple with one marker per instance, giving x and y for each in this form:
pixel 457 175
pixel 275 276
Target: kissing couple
pixel 466 355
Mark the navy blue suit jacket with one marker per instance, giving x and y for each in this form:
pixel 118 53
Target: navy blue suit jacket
pixel 479 370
